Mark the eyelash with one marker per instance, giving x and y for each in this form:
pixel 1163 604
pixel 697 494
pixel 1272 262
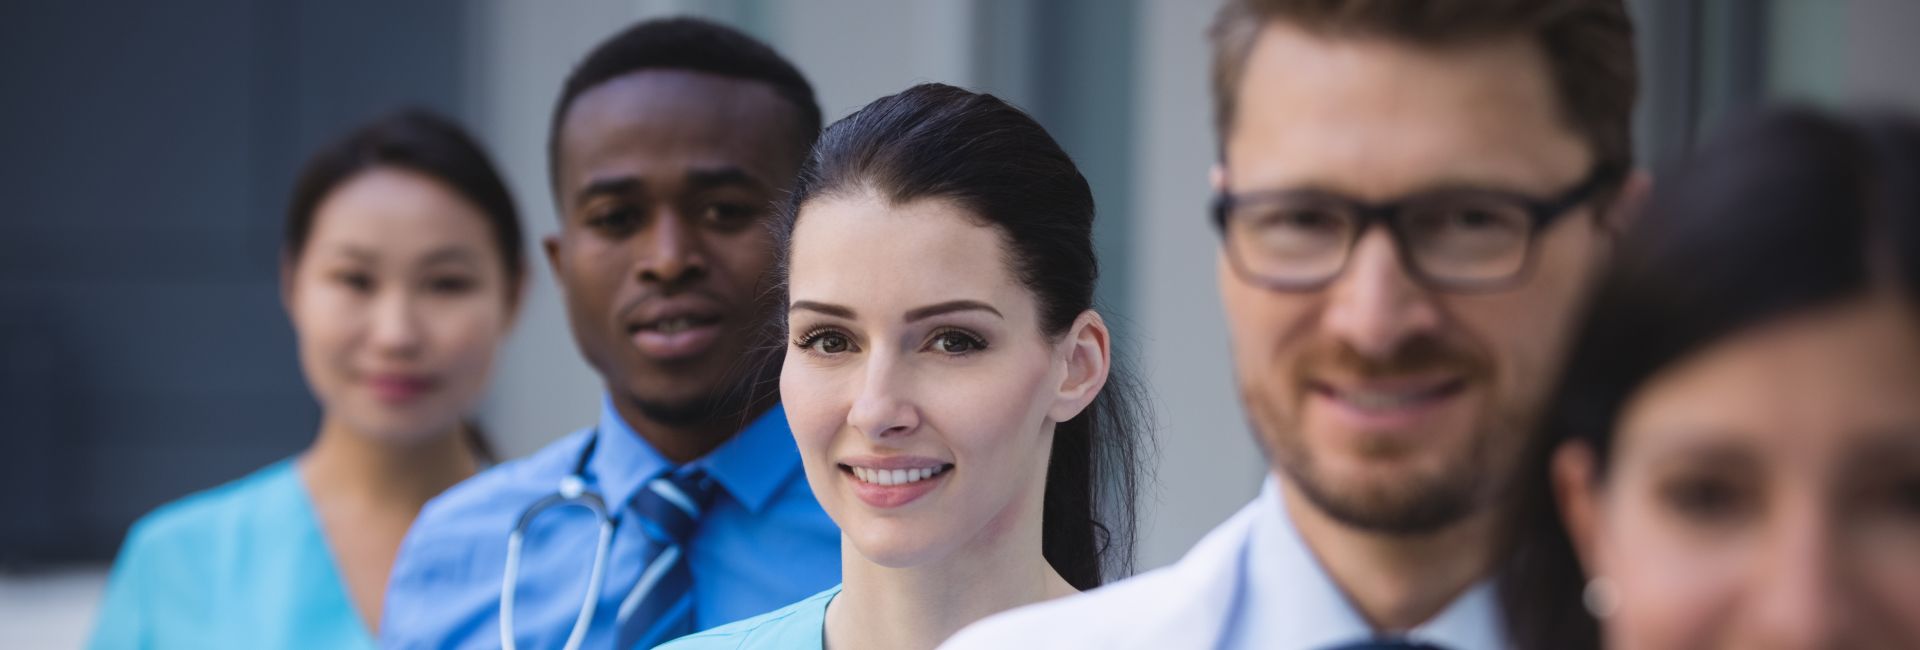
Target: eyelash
pixel 807 341
pixel 1710 501
pixel 354 280
pixel 973 341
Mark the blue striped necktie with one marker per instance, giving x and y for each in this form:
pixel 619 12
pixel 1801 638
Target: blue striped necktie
pixel 668 510
pixel 1388 643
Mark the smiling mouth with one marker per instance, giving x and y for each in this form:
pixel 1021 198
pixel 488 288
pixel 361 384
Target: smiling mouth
pixel 891 477
pixel 1375 400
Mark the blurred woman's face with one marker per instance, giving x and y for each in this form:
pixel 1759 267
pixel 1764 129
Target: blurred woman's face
pixel 1765 492
pixel 399 300
pixel 918 383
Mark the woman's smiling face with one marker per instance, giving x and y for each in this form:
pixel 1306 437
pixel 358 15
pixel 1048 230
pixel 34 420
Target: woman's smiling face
pixel 919 385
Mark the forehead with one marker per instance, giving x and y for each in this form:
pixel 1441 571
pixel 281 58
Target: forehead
pixel 660 123
pixel 859 250
pixel 388 208
pixel 1811 382
pixel 1376 117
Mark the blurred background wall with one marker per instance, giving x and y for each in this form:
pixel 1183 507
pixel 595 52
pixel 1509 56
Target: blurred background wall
pixel 148 150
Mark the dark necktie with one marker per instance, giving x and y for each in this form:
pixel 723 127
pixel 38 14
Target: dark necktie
pixel 660 606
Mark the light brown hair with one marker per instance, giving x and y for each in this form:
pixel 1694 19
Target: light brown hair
pixel 1588 45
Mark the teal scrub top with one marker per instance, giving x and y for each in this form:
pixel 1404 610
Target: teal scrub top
pixel 800 626
pixel 242 565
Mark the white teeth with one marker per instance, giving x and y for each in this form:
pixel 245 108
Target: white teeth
pixel 1374 401
pixel 894 476
pixel 673 325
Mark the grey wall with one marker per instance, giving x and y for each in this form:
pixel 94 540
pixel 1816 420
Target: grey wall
pixel 148 152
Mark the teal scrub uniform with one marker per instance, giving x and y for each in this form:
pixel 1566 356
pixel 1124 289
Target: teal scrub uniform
pixel 800 626
pixel 243 565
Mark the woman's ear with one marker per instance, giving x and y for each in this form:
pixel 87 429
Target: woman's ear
pixel 1577 492
pixel 1089 355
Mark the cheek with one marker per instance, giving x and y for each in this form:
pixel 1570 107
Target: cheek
pixel 815 406
pixel 1524 333
pixel 1265 327
pixel 590 271
pixel 744 256
pixel 1884 562
pixel 467 333
pixel 327 323
pixel 1674 587
pixel 992 414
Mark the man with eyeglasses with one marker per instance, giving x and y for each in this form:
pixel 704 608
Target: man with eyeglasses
pixel 1413 197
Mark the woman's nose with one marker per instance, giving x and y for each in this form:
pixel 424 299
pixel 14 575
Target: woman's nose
pixel 883 408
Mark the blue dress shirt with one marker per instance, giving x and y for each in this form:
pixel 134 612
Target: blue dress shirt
pixel 243 565
pixel 763 543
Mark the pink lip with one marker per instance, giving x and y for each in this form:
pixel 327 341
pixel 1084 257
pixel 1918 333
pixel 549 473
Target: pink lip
pixel 893 496
pixel 643 319
pixel 684 344
pixel 399 389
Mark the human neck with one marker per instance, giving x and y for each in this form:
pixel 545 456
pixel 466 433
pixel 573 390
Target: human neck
pixel 348 465
pixel 919 607
pixel 681 442
pixel 1396 582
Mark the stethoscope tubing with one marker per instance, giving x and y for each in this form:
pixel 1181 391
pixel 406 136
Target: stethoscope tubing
pixel 572 492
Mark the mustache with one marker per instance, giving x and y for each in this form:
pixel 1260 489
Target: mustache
pixel 1418 355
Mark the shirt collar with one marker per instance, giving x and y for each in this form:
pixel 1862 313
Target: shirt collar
pixel 1472 621
pixel 1294 602
pixel 757 461
pixel 622 460
pixel 751 466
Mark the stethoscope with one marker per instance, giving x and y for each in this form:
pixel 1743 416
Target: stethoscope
pixel 573 492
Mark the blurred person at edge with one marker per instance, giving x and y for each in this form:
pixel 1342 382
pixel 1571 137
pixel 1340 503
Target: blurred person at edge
pixel 1735 449
pixel 668 146
pixel 1414 198
pixel 950 384
pixel 401 270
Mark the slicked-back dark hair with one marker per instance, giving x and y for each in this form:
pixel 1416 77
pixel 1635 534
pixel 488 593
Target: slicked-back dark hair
pixel 420 141
pixel 1793 210
pixel 690 44
pixel 939 142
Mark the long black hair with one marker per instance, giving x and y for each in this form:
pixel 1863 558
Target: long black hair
pixel 935 141
pixel 427 143
pixel 1789 211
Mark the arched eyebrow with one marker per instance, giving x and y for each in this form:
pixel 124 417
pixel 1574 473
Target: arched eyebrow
pixel 929 311
pixel 915 314
pixel 836 311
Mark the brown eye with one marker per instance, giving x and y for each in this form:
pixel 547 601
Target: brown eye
pixel 728 216
pixel 358 282
pixel 956 343
pixel 1706 500
pixel 616 220
pixel 451 284
pixel 825 342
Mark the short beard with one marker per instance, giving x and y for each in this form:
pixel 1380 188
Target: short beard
pixel 1412 504
pixel 733 404
pixel 1415 506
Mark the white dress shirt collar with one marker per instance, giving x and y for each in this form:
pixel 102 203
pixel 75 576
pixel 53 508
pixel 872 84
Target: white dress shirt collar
pixel 1289 601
